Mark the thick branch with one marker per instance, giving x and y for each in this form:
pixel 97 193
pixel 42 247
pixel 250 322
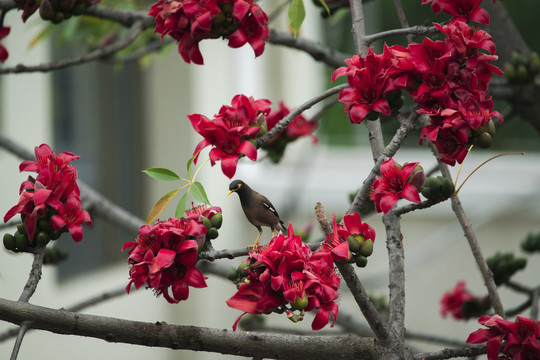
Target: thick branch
pixel 317 50
pixel 194 338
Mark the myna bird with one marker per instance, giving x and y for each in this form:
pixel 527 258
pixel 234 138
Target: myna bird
pixel 257 208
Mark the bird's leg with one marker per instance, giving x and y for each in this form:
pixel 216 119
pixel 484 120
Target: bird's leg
pixel 256 243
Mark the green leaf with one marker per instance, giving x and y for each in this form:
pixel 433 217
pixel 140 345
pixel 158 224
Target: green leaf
pixel 160 205
pixel 162 174
pixel 189 163
pixel 323 3
pixel 297 13
pixel 181 207
pixel 198 193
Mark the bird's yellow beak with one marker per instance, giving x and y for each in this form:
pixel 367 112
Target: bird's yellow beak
pixel 230 192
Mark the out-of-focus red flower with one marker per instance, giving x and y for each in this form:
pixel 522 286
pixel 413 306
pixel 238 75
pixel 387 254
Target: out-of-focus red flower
pixel 163 257
pixel 518 339
pixel 286 276
pixel 54 187
pixel 461 10
pixel 191 21
pixel 452 301
pixel 392 185
pixel 230 131
pixel 300 126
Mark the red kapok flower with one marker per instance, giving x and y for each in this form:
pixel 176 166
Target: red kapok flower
pixel 230 131
pixel 300 126
pixel 393 185
pixel 516 340
pixel 71 216
pixel 164 256
pixel 252 26
pixel 286 275
pixel 452 301
pixel 461 10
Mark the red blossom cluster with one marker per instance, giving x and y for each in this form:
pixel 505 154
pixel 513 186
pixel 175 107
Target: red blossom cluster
pixel 461 304
pixel 53 194
pixel 517 340
pixel 460 10
pixel 4 31
pixel 190 21
pixel 233 131
pixel 448 79
pixel 396 182
pixel 164 255
pixel 287 276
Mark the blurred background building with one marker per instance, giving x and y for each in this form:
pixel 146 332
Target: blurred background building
pixel 123 119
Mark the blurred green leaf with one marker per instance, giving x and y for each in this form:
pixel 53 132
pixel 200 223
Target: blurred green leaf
pixel 198 193
pixel 297 14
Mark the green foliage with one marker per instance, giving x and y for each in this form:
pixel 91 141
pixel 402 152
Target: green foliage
pixel 194 188
pixel 531 243
pixel 297 14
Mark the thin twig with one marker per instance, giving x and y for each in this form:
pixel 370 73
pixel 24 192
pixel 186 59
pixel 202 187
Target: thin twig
pixel 403 19
pixel 452 353
pixel 78 60
pixel 473 242
pixel 283 123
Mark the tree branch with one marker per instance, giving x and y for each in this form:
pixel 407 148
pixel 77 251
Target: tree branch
pixel 194 338
pixel 134 31
pixel 452 353
pixel 408 31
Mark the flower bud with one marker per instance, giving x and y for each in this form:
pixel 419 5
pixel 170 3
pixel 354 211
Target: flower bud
pixel 522 75
pixel 355 242
pixel 9 242
pixel 242 268
pixel 206 222
pixel 484 140
pixel 44 224
pixel 361 261
pixel 432 188
pixel 212 233
pixel 21 228
pixel 510 72
pixel 418 178
pixel 21 242
pixel 232 273
pixel 447 187
pixel 300 303
pixel 42 238
pixel 534 63
pixel 46 10
pixel 217 220
pixel 367 248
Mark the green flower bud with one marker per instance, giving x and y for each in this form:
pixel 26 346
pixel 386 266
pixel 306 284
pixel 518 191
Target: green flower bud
pixel 9 242
pixel 242 268
pixel 517 59
pixel 432 188
pixel 217 220
pixel 484 140
pixel 232 274
pixel 522 75
pixel 510 72
pixel 361 261
pixel 300 303
pixel 54 235
pixel 212 233
pixel 21 242
pixel 367 248
pixel 355 241
pixel 372 115
pixel 42 238
pixel 447 187
pixel 21 228
pixel 207 223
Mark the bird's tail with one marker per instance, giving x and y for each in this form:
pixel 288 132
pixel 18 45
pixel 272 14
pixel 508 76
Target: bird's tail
pixel 282 226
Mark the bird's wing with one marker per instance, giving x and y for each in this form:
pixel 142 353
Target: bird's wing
pixel 268 205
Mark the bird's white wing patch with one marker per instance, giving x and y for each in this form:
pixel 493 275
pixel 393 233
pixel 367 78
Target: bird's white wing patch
pixel 269 207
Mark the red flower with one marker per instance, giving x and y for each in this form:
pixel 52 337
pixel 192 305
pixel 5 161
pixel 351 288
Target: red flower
pixel 337 244
pixel 230 131
pixel 4 31
pixel 55 187
pixel 163 257
pixel 191 21
pixel 516 340
pixel 461 10
pixel 393 185
pixel 452 301
pixel 286 276
pixel 300 126
pixel 252 26
pixel 70 215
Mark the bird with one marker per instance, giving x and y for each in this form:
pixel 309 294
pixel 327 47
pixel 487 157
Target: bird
pixel 258 209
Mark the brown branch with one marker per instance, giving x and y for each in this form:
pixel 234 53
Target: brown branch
pixel 408 31
pixel 194 338
pixel 473 243
pixel 134 31
pixel 283 123
pixel 452 353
